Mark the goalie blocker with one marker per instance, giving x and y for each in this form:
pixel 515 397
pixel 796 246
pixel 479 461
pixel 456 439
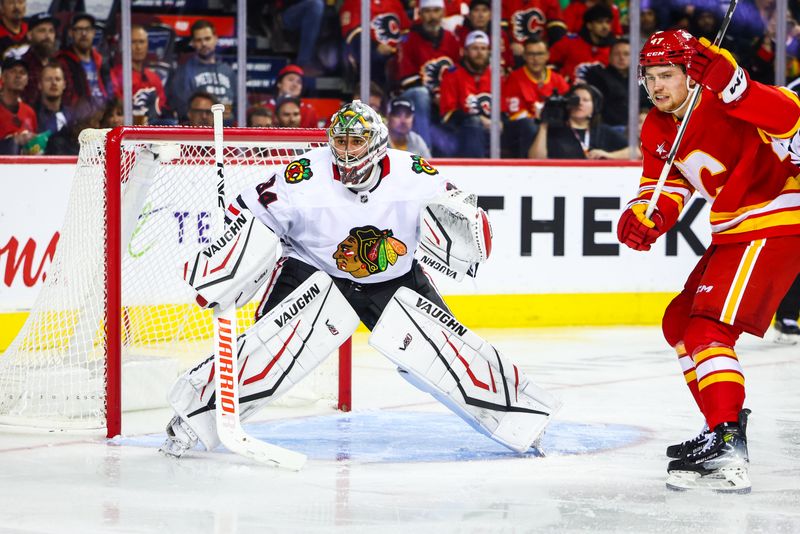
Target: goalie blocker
pixel 455 235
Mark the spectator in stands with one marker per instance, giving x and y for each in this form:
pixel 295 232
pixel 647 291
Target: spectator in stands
pixel 113 115
pixel 199 112
pixel 401 118
pixel 290 83
pixel 573 15
pixel 85 71
pixel 303 18
pixel 13 28
pixel 42 51
pixel 65 141
pixel 571 129
pixel 466 102
pixel 525 92
pixel 428 51
pixel 480 18
pixel 149 100
pixel 260 117
pixel 51 113
pixel 538 18
pixel 377 97
pixel 388 23
pixel 648 23
pixel 612 82
pixel 17 119
pixel 591 46
pixel 204 71
pixel 287 112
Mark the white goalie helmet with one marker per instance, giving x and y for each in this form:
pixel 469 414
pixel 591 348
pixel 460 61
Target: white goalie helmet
pixel 358 140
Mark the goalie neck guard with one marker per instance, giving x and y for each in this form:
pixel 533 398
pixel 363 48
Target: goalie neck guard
pixel 358 140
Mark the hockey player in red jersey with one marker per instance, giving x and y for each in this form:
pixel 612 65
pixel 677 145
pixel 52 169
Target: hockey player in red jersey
pixel 740 152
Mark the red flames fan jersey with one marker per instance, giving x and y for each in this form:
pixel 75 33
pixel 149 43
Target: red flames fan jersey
pixel 573 54
pixel 422 61
pixel 573 17
pixel 13 44
pixel 734 155
pixel 522 92
pixel 389 21
pixel 463 91
pixel 528 18
pixel 365 236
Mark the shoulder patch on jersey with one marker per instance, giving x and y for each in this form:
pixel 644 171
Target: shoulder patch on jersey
pixel 367 250
pixel 297 171
pixel 420 165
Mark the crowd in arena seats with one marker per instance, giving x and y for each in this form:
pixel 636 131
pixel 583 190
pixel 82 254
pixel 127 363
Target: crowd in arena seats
pixel 564 68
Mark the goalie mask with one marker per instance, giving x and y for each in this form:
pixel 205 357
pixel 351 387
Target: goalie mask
pixel 358 140
pixel 667 48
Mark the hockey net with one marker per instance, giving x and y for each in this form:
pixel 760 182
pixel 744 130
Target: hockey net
pixel 114 323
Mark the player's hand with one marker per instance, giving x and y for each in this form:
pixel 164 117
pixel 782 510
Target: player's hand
pixel 715 69
pixel 636 230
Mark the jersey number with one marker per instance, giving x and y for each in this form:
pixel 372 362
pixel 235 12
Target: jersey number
pixel 265 196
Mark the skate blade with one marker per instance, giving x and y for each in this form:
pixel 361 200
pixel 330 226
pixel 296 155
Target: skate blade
pixel 786 339
pixel 730 480
pixel 172 449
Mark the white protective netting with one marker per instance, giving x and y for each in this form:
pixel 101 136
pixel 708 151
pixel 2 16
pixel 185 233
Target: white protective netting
pixel 54 373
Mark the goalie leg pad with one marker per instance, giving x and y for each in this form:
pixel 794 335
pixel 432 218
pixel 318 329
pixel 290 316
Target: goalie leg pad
pixel 439 355
pixel 278 351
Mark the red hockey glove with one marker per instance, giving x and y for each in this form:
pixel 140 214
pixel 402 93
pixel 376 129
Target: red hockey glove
pixel 715 69
pixel 636 230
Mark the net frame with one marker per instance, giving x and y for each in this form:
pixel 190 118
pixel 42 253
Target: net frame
pixel 112 323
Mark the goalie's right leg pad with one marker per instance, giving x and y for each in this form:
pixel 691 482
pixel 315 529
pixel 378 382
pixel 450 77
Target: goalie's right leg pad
pixel 279 350
pixel 439 355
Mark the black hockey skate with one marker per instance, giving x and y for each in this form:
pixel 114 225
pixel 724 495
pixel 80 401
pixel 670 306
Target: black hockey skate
pixel 679 450
pixel 787 331
pixel 720 464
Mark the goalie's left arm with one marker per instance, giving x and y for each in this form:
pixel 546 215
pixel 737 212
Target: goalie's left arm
pixel 455 234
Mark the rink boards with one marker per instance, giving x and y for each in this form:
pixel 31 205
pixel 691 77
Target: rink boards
pixel 555 258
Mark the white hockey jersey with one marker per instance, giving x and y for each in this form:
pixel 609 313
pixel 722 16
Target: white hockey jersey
pixel 368 236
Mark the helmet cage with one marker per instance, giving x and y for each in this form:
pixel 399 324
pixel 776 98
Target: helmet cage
pixel 357 120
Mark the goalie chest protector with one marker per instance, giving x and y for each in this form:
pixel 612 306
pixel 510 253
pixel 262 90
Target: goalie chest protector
pixel 365 236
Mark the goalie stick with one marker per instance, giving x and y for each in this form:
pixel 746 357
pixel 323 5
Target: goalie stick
pixel 226 383
pixel 684 123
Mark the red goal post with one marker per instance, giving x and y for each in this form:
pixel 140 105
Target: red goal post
pixel 127 230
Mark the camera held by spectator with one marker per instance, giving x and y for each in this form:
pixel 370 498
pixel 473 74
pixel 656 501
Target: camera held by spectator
pixel 556 107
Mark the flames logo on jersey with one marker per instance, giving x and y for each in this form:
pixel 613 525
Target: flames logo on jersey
pixel 420 165
pixel 431 72
pixel 297 171
pixel 527 24
pixel 480 104
pixel 386 28
pixel 367 250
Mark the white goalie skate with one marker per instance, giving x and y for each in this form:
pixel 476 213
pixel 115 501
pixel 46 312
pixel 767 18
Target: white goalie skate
pixel 180 438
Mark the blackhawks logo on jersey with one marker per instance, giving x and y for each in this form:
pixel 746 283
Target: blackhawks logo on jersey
pixel 420 165
pixel 297 171
pixel 367 250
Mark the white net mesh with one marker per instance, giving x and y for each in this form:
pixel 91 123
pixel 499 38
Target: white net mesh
pixel 54 373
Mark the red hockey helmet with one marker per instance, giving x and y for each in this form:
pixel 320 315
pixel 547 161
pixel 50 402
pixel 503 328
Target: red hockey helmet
pixel 669 47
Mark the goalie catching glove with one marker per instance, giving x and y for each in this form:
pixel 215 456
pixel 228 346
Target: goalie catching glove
pixel 235 265
pixel 456 235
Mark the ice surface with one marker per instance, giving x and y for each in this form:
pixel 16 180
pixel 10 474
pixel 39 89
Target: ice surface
pixel 400 463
